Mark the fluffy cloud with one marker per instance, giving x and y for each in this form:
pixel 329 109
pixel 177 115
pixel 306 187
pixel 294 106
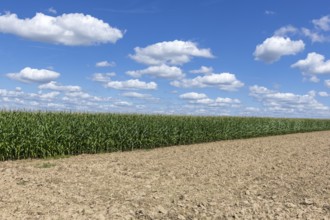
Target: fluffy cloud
pixel 103 77
pixel 54 100
pixel 79 94
pixel 285 31
pixel 314 36
pixel 314 79
pixel 67 29
pixel 203 70
pixel 169 52
pixel 223 81
pixel 193 96
pixel 137 95
pixel 29 75
pixel 324 94
pixel 327 83
pixel 17 96
pixel 201 98
pixel 162 71
pixel 57 87
pixel 52 10
pixel 50 95
pixel 105 64
pixel 313 64
pixel 273 48
pixel 288 103
pixel 123 103
pixel 322 23
pixel 131 84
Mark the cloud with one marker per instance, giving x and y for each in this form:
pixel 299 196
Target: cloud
pixel 29 75
pixel 201 98
pixel 285 31
pixel 78 94
pixel 322 23
pixel 50 95
pixel 169 52
pixel 203 70
pixel 223 81
pixel 105 64
pixel 314 36
pixel 21 98
pixel 103 77
pixel 193 96
pixel 52 10
pixel 132 84
pixel 226 100
pixel 272 49
pixel 327 83
pixel 313 64
pixel 162 71
pixel 268 12
pixel 223 102
pixel 62 101
pixel 314 79
pixel 324 94
pixel 55 86
pixel 288 103
pixel 123 103
pixel 252 109
pixel 137 95
pixel 68 29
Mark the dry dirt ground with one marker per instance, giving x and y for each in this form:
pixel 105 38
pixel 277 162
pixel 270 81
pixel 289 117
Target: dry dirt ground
pixel 280 177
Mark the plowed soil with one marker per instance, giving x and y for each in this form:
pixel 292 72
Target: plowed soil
pixel 279 177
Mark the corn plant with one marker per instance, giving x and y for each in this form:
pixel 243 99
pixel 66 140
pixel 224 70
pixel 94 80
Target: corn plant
pixel 46 134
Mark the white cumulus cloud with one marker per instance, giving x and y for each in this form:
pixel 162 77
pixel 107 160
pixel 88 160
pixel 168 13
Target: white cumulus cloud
pixel 52 10
pixel 132 84
pixel 327 83
pixel 273 48
pixel 193 95
pixel 203 70
pixel 314 36
pixel 324 94
pixel 57 87
pixel 137 95
pixel 320 26
pixel 322 23
pixel 223 81
pixel 203 99
pixel 313 64
pixel 314 79
pixel 162 71
pixel 50 95
pixel 30 75
pixel 286 30
pixel 169 52
pixel 288 103
pixel 103 77
pixel 105 64
pixel 68 29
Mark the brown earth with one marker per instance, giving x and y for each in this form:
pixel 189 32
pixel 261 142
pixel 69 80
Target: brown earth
pixel 280 177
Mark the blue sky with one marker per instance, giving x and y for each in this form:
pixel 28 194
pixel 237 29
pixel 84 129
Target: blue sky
pixel 211 57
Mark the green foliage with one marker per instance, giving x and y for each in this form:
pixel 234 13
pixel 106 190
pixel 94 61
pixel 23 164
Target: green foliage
pixel 46 134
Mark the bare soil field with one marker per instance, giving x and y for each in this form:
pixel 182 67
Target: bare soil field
pixel 279 177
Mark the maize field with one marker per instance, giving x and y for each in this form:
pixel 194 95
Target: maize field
pixel 48 134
